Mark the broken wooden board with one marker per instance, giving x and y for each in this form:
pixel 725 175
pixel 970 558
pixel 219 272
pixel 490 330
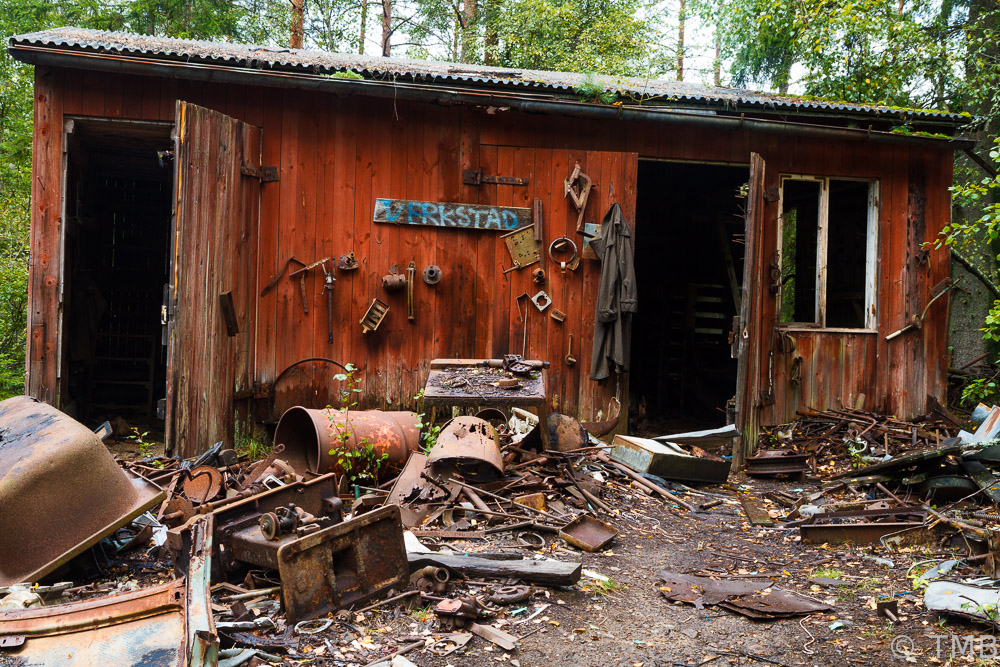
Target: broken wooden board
pixel 453 216
pixel 755 511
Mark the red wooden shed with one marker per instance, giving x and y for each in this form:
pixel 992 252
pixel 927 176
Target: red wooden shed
pixel 179 186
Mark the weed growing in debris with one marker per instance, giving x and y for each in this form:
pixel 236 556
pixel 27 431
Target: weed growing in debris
pixel 421 614
pixel 360 462
pixel 828 572
pixel 145 448
pixel 603 587
pixel 249 444
pixel 428 437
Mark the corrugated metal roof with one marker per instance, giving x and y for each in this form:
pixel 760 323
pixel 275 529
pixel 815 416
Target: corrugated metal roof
pixel 244 56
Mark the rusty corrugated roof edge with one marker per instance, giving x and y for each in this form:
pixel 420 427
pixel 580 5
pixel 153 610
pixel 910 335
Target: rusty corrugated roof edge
pixel 255 57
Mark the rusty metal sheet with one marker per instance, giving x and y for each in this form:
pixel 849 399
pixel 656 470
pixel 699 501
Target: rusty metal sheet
pixel 776 603
pixel 851 533
pixel 61 491
pixel 346 564
pixel 587 533
pixel 169 625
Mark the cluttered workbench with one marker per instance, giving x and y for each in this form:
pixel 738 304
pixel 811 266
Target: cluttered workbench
pixel 510 382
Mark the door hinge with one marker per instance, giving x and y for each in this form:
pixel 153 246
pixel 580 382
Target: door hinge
pixel 265 174
pixel 477 177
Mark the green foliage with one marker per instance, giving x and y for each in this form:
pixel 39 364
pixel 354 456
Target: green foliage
pixel 145 447
pixel 592 90
pixel 360 461
pixel 249 442
pixel 428 432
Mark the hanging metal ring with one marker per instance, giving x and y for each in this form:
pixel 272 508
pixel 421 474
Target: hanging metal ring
pixel 552 246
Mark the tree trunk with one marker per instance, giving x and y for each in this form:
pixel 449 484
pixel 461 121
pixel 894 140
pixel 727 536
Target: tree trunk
pixel 681 19
pixel 386 27
pixel 717 64
pixel 468 31
pixel 298 24
pixel 364 23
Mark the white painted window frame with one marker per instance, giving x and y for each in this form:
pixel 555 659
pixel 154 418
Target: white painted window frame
pixel 822 232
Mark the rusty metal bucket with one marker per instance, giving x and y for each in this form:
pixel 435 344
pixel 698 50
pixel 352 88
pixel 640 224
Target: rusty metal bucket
pixel 471 444
pixel 309 435
pixel 61 491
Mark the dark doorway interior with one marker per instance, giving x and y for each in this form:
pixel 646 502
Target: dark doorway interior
pixel 119 179
pixel 689 268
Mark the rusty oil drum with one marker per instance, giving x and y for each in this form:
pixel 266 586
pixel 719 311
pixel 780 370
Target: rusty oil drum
pixel 309 435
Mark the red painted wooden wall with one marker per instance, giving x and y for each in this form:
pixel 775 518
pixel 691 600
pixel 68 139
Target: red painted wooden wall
pixel 336 154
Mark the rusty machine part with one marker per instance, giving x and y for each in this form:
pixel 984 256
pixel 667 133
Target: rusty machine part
pixel 541 301
pixel 411 273
pixel 577 188
pixel 373 316
pixel 431 579
pixel 347 262
pixel 524 250
pixel 61 491
pixel 515 364
pixel 510 594
pixel 570 359
pixel 202 484
pixel 495 417
pixel 564 244
pixel 394 280
pixel 470 444
pixel 538 276
pixel 324 562
pixel 566 433
pixel 432 274
pixel 309 435
pixel 458 612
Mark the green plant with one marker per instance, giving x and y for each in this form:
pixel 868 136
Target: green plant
pixel 428 432
pixel 360 461
pixel 828 572
pixel 604 587
pixel 145 447
pixel 249 443
pixel 592 90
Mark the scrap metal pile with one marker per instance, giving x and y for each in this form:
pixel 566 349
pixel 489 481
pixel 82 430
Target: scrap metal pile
pixel 900 485
pixel 225 560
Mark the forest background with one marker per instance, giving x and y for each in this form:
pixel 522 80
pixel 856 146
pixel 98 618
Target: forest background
pixel 921 54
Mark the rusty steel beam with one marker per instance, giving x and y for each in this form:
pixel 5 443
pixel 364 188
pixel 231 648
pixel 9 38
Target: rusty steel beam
pixel 851 533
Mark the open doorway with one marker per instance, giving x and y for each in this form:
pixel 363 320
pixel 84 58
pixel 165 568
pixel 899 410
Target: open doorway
pixel 689 271
pixel 119 178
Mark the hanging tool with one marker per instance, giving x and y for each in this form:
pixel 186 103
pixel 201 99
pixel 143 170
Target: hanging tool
pixel 411 272
pixel 277 277
pixel 301 273
pixel 938 291
pixel 570 359
pixel 328 280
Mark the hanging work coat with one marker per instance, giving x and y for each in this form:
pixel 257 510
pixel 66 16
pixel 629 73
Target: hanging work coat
pixel 616 297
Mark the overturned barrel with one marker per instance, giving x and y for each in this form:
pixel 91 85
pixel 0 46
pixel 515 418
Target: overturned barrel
pixel 310 435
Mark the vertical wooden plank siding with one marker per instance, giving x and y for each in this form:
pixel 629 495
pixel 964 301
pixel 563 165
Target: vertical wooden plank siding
pixel 335 155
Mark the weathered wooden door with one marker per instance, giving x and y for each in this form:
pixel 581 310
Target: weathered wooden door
pixel 749 329
pixel 212 276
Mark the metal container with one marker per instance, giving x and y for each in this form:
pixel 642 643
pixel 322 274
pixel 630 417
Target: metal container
pixel 61 491
pixel 470 444
pixel 310 435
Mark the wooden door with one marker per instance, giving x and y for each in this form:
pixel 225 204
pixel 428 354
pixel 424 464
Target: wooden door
pixel 212 276
pixel 749 329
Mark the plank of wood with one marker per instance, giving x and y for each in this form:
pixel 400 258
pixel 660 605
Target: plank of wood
pixel 542 572
pixel 504 640
pixel 755 511
pixel 449 215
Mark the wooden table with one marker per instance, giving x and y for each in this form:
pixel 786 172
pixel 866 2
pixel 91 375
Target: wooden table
pixel 445 388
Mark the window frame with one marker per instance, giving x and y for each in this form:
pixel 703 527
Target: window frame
pixel 822 233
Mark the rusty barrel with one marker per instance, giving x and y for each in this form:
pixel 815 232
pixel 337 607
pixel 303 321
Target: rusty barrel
pixel 309 435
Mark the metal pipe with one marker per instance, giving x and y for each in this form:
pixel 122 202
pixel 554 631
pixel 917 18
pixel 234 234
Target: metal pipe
pixel 437 94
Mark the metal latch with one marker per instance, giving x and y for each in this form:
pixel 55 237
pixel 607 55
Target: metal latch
pixel 265 174
pixel 477 177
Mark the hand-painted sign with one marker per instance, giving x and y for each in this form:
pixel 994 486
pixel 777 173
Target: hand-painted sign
pixel 456 216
